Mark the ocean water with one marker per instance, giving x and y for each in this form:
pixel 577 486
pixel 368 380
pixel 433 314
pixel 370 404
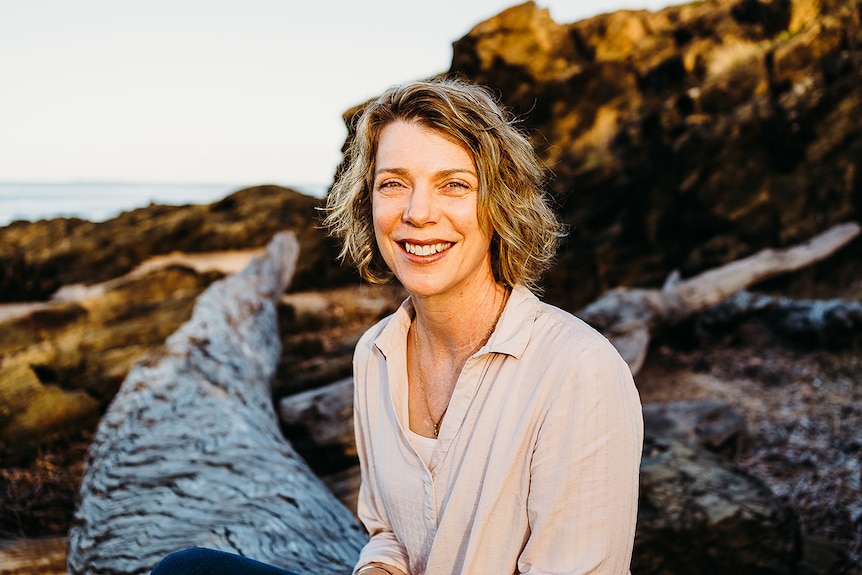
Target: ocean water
pixel 100 201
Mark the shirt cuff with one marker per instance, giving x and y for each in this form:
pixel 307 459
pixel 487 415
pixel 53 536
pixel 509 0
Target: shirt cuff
pixel 383 548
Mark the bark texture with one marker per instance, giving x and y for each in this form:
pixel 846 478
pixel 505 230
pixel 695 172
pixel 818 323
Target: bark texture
pixel 190 452
pixel 831 323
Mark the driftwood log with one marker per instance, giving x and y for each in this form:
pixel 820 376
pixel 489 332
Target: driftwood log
pixel 825 322
pixel 319 422
pixel 190 452
pixel 627 317
pixel 325 413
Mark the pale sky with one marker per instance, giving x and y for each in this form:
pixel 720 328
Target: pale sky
pixel 242 92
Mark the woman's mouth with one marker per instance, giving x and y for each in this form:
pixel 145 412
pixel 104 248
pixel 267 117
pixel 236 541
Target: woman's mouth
pixel 426 249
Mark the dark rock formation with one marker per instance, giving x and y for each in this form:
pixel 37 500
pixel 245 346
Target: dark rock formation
pixel 190 453
pixel 45 556
pixel 708 422
pixel 38 258
pixel 62 362
pixel 687 138
pixel 697 514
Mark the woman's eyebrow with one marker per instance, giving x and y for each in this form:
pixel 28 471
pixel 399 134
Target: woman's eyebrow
pixel 396 171
pixel 441 173
pixel 454 171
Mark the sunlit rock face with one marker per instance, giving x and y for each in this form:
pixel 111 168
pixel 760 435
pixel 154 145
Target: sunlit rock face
pixel 685 138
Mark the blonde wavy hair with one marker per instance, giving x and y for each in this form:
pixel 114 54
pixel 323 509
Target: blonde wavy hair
pixel 512 201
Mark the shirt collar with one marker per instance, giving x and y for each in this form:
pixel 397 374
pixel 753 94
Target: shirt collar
pixel 511 335
pixel 516 323
pixel 393 336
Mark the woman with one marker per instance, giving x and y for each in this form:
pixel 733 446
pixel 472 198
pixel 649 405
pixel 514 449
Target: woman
pixel 496 433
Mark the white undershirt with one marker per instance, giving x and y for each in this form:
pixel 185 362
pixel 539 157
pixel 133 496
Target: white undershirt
pixel 424 446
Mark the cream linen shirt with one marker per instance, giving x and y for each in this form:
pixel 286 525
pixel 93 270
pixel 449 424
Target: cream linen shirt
pixel 536 466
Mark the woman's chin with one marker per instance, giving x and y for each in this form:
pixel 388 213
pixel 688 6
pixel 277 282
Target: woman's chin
pixel 421 289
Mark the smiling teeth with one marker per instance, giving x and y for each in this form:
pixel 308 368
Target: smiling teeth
pixel 426 250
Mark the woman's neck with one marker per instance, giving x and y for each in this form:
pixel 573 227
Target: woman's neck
pixel 458 326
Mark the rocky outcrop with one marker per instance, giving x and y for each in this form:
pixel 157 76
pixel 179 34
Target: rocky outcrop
pixel 38 258
pixel 697 514
pixel 686 138
pixel 63 362
pixel 119 288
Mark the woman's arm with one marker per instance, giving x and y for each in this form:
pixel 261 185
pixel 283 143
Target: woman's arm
pixel 383 548
pixel 583 495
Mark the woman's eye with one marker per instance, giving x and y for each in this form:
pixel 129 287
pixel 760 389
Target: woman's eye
pixel 457 186
pixel 388 184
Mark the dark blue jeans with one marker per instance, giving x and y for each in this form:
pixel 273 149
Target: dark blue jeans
pixel 200 561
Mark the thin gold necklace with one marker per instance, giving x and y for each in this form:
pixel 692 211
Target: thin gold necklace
pixel 436 422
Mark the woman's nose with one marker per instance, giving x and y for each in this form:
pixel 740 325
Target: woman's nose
pixel 420 207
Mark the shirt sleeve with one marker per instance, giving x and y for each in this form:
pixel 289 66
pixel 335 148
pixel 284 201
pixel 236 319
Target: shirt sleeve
pixel 582 502
pixel 383 546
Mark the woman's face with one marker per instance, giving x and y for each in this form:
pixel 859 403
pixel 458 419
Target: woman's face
pixel 425 212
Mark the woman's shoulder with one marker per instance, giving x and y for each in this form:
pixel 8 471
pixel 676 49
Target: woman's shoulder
pixel 531 326
pixel 585 364
pixel 537 332
pixel 565 338
pixel 564 328
pixel 381 331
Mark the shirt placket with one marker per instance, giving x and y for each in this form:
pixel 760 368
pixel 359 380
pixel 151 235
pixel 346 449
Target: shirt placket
pixel 429 506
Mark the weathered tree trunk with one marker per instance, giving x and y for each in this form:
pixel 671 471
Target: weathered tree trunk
pixel 190 452
pixel 326 413
pixel 319 423
pixel 826 322
pixel 627 316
